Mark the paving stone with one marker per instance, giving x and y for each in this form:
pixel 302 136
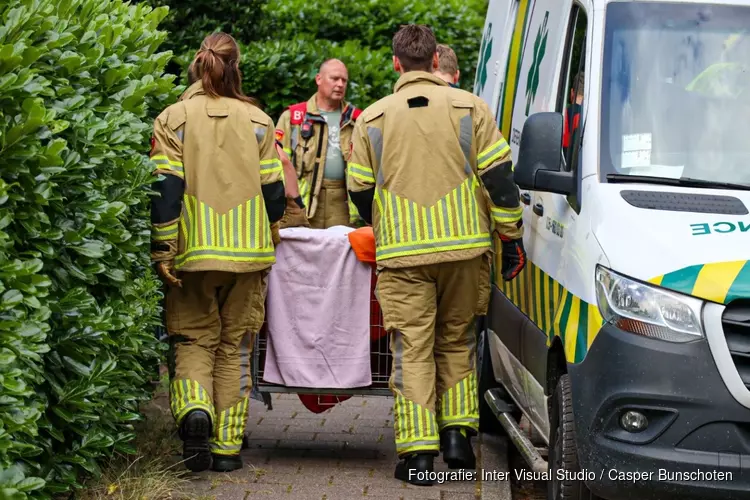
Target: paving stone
pixel 351 455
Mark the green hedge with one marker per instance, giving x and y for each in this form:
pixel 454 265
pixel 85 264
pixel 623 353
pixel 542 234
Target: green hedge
pixel 80 82
pixel 284 41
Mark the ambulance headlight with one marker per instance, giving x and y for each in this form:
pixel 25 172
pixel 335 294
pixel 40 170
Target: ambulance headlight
pixel 647 310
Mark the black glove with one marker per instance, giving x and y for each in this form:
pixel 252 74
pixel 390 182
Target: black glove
pixel 514 257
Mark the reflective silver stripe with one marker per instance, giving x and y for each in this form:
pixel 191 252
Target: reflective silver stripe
pixel 430 224
pixel 474 208
pixel 376 139
pixel 181 135
pixel 236 226
pixel 207 223
pixel 294 137
pixel 415 415
pixel 229 253
pixel 460 208
pixel 412 444
pixel 447 230
pixel 220 229
pixel 394 217
pixel 398 353
pixel 251 224
pixel 466 132
pixel 434 244
pixel 186 216
pixel 260 133
pixel 462 397
pixel 412 219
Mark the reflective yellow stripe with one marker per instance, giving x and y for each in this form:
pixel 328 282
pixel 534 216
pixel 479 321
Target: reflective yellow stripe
pixel 165 163
pixel 492 153
pixel 187 395
pixel 164 233
pixel 270 166
pixel 242 234
pixel 287 151
pixel 404 228
pixel 361 172
pixel 503 215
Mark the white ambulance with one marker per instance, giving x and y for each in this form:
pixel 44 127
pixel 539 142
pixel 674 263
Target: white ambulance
pixel 626 340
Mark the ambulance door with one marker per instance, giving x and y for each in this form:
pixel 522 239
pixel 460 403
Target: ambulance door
pixel 538 88
pixel 553 245
pixel 493 51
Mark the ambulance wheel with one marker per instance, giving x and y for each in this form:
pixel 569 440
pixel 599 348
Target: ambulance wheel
pixel 563 452
pixel 488 422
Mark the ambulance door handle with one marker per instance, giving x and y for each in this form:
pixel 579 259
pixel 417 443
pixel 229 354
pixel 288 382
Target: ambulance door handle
pixel 539 209
pixel 526 198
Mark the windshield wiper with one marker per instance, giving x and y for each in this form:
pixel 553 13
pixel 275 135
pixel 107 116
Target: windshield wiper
pixel 684 181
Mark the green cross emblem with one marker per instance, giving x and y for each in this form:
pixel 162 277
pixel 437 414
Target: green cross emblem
pixel 485 51
pixel 540 46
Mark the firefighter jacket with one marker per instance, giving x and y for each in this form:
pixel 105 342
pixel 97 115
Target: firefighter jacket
pixel 303 135
pixel 221 185
pixel 432 173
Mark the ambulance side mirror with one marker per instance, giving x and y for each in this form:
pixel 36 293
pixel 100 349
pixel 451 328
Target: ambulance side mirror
pixel 539 166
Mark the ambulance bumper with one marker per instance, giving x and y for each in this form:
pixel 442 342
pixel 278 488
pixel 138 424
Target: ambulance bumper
pixel 696 443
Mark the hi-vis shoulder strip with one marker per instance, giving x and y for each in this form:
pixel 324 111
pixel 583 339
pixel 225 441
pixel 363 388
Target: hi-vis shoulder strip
pixel 492 154
pixel 361 172
pixel 268 167
pixel 165 163
pixel 164 233
pixel 720 282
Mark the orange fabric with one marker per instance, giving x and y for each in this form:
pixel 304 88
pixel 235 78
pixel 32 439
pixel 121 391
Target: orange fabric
pixel 362 241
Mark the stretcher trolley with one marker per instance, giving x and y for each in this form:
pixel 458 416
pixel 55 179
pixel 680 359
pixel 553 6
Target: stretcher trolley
pixel 318 400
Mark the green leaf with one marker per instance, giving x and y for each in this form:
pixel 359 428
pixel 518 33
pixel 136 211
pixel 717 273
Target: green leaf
pixel 94 249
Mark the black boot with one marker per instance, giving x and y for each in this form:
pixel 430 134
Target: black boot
pixel 416 469
pixel 226 463
pixel 195 432
pixel 457 450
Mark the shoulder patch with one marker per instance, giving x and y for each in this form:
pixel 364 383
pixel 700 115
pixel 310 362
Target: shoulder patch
pixel 279 134
pixel 297 113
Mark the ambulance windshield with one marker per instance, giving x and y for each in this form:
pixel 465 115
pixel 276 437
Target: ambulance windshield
pixel 676 91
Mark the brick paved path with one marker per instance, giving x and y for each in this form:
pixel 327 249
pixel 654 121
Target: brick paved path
pixel 345 453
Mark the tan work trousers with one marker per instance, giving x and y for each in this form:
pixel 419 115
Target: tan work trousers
pixel 430 313
pixel 215 317
pixel 333 205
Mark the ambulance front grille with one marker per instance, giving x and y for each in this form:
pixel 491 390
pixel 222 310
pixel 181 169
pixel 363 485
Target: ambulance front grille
pixel 736 324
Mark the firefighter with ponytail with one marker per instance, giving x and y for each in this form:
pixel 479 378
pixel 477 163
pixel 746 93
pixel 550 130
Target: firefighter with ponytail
pixel 219 197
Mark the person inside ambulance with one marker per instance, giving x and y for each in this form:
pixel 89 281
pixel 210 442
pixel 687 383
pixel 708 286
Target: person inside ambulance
pixel 572 115
pixel 432 173
pixel 213 234
pixel 315 136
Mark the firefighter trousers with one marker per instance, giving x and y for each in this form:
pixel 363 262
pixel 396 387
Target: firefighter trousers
pixel 332 207
pixel 212 322
pixel 430 312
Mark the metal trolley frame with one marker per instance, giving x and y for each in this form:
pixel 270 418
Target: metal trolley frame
pixel 380 362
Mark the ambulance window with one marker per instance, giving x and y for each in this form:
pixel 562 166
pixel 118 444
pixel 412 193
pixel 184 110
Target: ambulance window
pixel 570 100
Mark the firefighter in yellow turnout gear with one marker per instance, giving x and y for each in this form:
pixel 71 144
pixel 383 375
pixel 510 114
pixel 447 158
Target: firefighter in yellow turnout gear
pixel 315 135
pixel 432 174
pixel 214 224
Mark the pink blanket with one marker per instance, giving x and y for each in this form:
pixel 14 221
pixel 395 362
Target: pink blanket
pixel 318 312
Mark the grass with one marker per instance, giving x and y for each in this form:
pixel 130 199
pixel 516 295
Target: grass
pixel 155 472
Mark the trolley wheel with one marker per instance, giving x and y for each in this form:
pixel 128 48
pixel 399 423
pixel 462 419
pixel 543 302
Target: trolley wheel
pixel 563 452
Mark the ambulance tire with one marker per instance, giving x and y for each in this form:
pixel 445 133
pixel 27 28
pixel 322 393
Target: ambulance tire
pixel 488 422
pixel 563 453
